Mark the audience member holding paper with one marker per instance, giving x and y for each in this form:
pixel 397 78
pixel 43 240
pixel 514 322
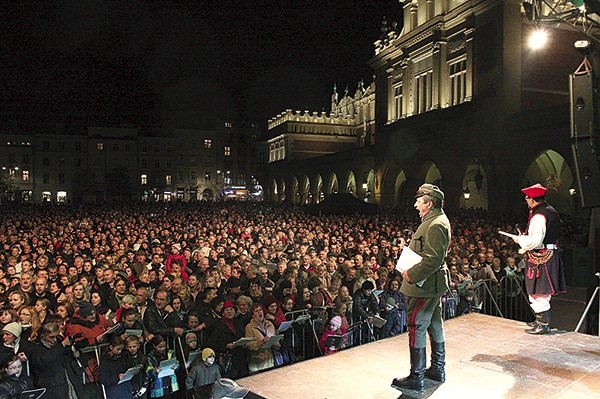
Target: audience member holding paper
pixel 226 339
pixel 113 368
pixel 334 328
pixel 161 373
pixel 261 356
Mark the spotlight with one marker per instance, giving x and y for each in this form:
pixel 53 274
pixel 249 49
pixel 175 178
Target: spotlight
pixel 538 39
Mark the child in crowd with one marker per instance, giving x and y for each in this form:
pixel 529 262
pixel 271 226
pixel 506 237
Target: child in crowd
pixel 160 386
pixel 204 372
pixel 136 357
pixel 333 328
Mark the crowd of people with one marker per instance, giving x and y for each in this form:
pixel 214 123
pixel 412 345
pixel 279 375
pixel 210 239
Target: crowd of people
pixel 157 300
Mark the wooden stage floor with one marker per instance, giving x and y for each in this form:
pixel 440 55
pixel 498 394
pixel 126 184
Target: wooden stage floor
pixel 486 357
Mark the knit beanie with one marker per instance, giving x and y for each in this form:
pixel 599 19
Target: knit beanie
pixel 14 328
pixel 206 353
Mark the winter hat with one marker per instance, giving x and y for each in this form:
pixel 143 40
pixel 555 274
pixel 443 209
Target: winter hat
pixel 336 321
pixel 314 282
pixel 228 304
pixel 226 388
pixel 189 337
pixel 285 284
pixel 14 328
pixel 86 309
pixel 233 282
pixel 367 285
pixel 206 353
pixel 391 301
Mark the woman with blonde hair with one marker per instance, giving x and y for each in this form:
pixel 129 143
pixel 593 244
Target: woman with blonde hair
pixel 17 299
pixel 30 323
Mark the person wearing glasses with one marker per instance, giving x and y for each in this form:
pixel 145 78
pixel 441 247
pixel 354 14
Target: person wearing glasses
pixel 544 270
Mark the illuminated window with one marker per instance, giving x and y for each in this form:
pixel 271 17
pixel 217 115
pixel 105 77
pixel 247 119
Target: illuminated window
pixel 207 143
pixel 227 124
pixel 168 180
pixel 100 146
pixel 458 81
pixel 25 175
pixel 206 176
pixel 144 180
pixel 398 101
pixel 227 151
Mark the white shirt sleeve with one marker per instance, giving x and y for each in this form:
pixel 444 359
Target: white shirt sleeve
pixel 536 231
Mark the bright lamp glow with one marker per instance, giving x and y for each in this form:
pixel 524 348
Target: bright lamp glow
pixel 538 39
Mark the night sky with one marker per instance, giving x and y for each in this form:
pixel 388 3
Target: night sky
pixel 164 64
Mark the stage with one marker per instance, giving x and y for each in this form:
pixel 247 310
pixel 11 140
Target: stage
pixel 486 357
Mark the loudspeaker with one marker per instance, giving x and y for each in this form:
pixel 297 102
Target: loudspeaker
pixel 585 157
pixel 581 93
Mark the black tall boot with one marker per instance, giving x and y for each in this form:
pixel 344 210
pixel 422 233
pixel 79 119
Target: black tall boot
pixel 542 326
pixel 436 371
pixel 416 379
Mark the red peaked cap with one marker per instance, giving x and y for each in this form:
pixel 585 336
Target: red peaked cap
pixel 535 191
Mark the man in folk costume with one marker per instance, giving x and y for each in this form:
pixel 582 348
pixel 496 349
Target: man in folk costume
pixel 544 273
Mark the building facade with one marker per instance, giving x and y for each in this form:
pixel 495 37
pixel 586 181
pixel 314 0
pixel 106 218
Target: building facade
pixel 122 164
pixel 459 101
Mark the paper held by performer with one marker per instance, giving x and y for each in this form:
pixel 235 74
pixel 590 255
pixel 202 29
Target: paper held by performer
pixel 408 258
pixel 504 233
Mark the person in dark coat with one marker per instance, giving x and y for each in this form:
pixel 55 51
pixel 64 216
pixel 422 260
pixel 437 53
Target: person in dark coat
pixel 113 366
pixel 48 360
pixel 233 359
pixel 12 379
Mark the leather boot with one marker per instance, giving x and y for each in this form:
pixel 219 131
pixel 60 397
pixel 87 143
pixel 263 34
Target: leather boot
pixel 416 380
pixel 436 371
pixel 542 324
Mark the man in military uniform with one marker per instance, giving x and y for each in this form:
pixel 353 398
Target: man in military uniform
pixel 424 284
pixel 544 273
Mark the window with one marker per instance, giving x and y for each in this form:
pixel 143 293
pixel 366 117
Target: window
pixel 207 143
pixel 77 161
pixel 156 164
pixel 25 175
pixel 227 151
pixel 46 145
pixel 228 124
pixel 143 162
pixel 180 175
pixel 192 175
pixel 398 101
pixel 25 158
pixel 458 81
pixel 423 96
pixel 46 161
pixel 61 178
pixel 62 145
pixel 207 176
pixel 144 180
pixel 168 180
pixel 46 178
pixel 61 162
pixel 78 146
pixel 127 147
pixel 61 196
pixel 100 146
pixel 192 159
pixel 116 147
